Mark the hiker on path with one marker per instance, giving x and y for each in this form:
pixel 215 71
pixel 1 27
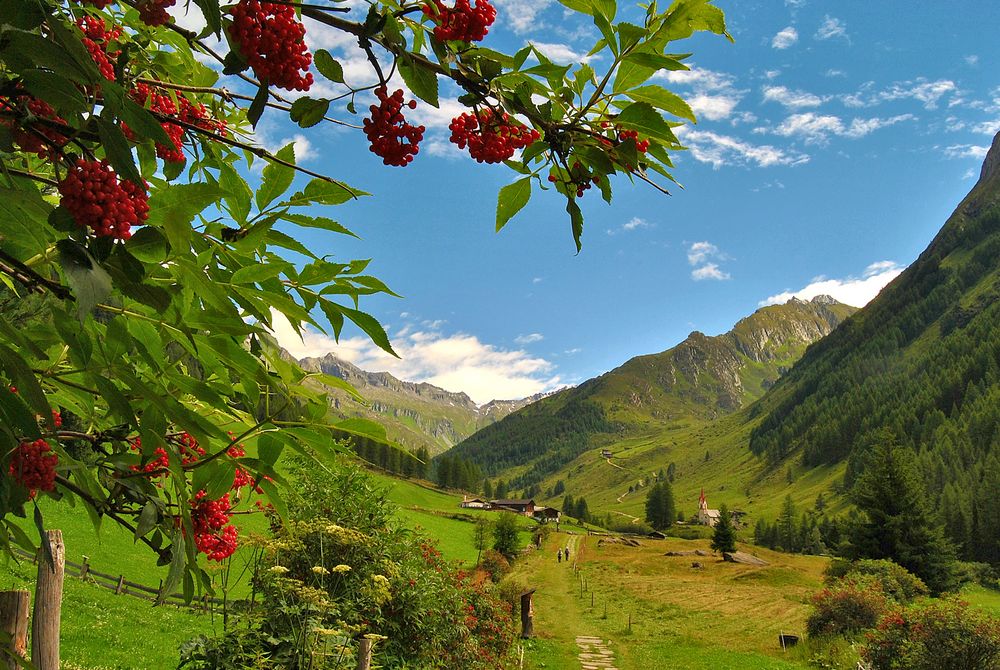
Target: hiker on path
pixel 566 551
pixel 559 556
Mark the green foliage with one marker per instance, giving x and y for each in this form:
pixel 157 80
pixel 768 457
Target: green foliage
pixel 495 564
pixel 724 535
pixel 660 509
pixel 935 635
pixel 505 534
pixel 896 582
pixel 454 472
pixel 340 568
pixel 851 606
pixel 896 523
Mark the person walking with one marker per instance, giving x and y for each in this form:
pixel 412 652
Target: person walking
pixel 566 552
pixel 559 556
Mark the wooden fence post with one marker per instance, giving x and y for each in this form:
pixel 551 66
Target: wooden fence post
pixel 527 615
pixel 85 567
pixel 14 610
pixel 48 605
pixel 364 654
pixel 121 585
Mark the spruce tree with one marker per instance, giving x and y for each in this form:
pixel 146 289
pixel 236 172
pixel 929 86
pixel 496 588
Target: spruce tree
pixel 724 536
pixel 787 529
pixel 896 521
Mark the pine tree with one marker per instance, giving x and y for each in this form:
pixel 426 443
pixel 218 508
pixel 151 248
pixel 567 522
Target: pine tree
pixel 724 536
pixel 559 489
pixel 501 489
pixel 660 509
pixel 896 522
pixel 582 512
pixel 569 506
pixel 487 489
pixel 786 526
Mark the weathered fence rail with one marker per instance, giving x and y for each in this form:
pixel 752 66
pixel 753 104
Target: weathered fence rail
pixel 122 586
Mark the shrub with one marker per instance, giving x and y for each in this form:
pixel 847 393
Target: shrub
pixel 850 606
pixel 935 635
pixel 495 565
pixel 897 582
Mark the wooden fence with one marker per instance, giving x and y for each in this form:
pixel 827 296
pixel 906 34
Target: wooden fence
pixel 122 586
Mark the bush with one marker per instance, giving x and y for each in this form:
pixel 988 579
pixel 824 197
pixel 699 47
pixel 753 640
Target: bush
pixel 897 582
pixel 622 525
pixel 935 635
pixel 495 565
pixel 851 606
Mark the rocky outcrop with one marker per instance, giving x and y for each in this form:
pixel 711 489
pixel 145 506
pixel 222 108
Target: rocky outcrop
pixel 992 162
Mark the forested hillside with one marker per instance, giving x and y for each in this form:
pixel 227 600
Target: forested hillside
pixel 923 360
pixel 701 379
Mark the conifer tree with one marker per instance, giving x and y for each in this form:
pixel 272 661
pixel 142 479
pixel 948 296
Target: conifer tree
pixel 660 509
pixel 786 526
pixel 724 537
pixel 896 522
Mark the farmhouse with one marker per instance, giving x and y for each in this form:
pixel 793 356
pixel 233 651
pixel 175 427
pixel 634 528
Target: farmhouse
pixel 523 506
pixel 546 514
pixel 474 503
pixel 606 453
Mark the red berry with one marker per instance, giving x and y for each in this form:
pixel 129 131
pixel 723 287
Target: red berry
pixel 491 138
pixel 94 196
pixel 31 136
pixel 391 137
pixel 462 22
pixel 33 466
pixel 271 39
pixel 154 12
pixel 96 39
pixel 160 102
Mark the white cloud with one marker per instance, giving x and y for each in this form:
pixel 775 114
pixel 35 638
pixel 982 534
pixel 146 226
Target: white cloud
pixel 789 98
pixel 456 362
pixel 856 291
pixel 785 38
pixel 921 89
pixel 560 53
pixel 714 96
pixel 522 15
pixel 702 254
pixel 709 271
pixel 537 280
pixel 818 128
pixel 530 338
pixel 833 72
pixel 720 150
pixel 632 224
pixel 966 151
pixel 972 60
pixel 832 27
pixel 986 127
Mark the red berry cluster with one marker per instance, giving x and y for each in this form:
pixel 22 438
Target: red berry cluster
pixel 96 38
pixel 94 196
pixel 160 102
pixel 391 137
pixel 32 137
pixel 271 39
pixel 640 145
pixel 100 4
pixel 160 460
pixel 491 138
pixel 154 12
pixel 209 519
pixel 33 466
pixel 462 22
pixel 191 451
pixel 197 115
pixel 579 179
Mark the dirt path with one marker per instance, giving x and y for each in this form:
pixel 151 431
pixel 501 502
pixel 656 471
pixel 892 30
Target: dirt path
pixel 594 654
pixel 635 519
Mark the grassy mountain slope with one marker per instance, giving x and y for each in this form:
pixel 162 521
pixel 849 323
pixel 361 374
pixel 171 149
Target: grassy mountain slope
pixel 415 415
pixel 657 399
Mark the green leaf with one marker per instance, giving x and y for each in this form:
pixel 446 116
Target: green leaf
pixel 604 25
pixel 606 8
pixel 581 6
pixel 90 283
pixel 307 112
pixel 19 372
pixel 148 245
pixel 642 117
pixel 576 221
pixel 147 519
pixel 663 99
pixel 654 61
pixel 363 428
pixel 210 10
pixel 269 449
pixel 138 118
pixel 420 80
pixel 118 151
pixel 256 109
pixel 631 74
pixel 511 199
pixel 178 561
pixel 324 192
pixel 215 477
pixel 371 327
pixel 629 35
pixel 277 177
pixel 328 66
pixel 259 272
pixel 55 89
pixel 318 222
pixel 174 207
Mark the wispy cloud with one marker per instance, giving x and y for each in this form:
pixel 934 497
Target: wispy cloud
pixel 560 53
pixel 714 94
pixel 966 151
pixel 856 291
pixel 785 38
pixel 634 223
pixel 455 361
pixel 832 27
pixel 522 15
pixel 921 89
pixel 815 128
pixel 721 150
pixel 703 255
pixel 789 98
pixel 530 338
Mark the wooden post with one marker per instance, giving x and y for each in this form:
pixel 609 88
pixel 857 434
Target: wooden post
pixel 121 585
pixel 48 605
pixel 527 615
pixel 605 611
pixel 591 598
pixel 14 610
pixel 630 622
pixel 85 568
pixel 364 654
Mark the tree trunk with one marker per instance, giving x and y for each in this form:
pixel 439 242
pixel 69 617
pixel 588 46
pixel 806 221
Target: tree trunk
pixel 14 610
pixel 48 605
pixel 364 654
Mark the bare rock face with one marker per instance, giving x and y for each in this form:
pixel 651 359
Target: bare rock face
pixel 992 162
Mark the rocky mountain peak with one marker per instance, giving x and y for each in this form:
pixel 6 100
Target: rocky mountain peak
pixel 992 162
pixel 824 300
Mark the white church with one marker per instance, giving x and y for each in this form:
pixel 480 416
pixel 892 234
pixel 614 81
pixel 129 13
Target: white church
pixel 706 517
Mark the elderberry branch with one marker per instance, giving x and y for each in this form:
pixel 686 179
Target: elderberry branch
pixel 15 269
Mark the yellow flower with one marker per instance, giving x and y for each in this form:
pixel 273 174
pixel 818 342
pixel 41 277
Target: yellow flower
pixel 342 568
pixel 320 570
pixel 278 570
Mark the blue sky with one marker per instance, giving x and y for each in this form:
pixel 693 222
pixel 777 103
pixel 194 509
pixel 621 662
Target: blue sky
pixel 834 139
